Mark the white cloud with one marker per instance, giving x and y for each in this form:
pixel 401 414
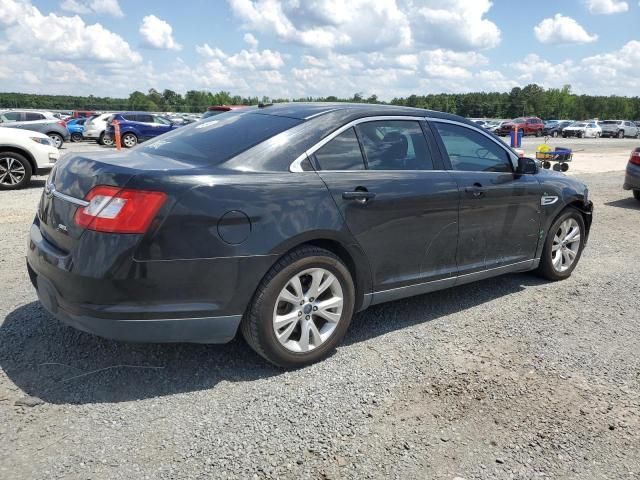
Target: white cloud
pixel 455 25
pixel 328 24
pixel 606 7
pixel 562 30
pixel 245 59
pixel 156 33
pixel 99 7
pixel 251 41
pixel 60 37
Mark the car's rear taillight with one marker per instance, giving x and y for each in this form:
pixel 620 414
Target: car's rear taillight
pixel 62 123
pixel 635 157
pixel 117 210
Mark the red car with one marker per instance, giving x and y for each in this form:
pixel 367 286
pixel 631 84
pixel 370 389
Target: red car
pixel 529 125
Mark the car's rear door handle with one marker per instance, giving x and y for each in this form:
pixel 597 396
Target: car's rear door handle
pixel 476 191
pixel 359 195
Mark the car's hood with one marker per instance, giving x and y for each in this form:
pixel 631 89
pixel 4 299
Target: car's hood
pixel 574 128
pixel 7 133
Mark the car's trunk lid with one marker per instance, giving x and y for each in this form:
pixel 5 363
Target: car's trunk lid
pixel 74 176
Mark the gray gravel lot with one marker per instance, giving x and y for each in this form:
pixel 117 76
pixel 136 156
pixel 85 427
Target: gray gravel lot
pixel 507 378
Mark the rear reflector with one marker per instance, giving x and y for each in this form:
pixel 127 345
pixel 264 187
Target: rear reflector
pixel 116 210
pixel 635 157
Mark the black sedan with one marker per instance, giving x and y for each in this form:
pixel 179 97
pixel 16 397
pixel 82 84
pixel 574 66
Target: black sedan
pixel 555 129
pixel 282 221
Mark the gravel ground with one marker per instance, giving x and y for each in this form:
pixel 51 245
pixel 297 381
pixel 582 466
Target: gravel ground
pixel 508 378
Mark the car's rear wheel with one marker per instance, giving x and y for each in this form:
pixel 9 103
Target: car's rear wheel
pixel 56 138
pixel 105 139
pixel 129 140
pixel 15 171
pixel 636 194
pixel 538 133
pixel 563 246
pixel 76 137
pixel 302 308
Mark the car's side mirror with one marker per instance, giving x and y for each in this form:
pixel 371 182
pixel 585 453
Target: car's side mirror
pixel 527 166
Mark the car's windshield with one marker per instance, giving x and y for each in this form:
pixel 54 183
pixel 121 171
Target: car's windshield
pixel 214 140
pixel 579 124
pixel 518 120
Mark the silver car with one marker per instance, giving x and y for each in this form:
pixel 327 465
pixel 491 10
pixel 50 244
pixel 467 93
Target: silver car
pixel 619 129
pixel 38 121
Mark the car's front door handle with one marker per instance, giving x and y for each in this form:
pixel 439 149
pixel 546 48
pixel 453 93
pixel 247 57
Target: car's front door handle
pixel 476 191
pixel 359 195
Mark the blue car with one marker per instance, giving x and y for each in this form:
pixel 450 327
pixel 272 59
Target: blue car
pixel 76 128
pixel 138 126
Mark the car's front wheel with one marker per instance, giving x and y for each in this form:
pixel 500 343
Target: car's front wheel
pixel 302 308
pixel 563 246
pixel 636 194
pixel 56 139
pixel 129 140
pixel 76 137
pixel 15 171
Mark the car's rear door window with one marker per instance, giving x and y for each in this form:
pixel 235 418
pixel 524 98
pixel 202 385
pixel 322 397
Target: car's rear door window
pixel 31 116
pixel 471 151
pixel 394 145
pixel 341 153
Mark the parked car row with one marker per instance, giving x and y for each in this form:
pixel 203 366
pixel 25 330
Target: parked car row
pixel 566 128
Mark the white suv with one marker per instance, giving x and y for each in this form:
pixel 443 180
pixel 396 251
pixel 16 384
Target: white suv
pixel 24 153
pixel 94 129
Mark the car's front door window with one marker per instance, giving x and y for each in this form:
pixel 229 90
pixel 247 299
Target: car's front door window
pixel 394 145
pixel 471 151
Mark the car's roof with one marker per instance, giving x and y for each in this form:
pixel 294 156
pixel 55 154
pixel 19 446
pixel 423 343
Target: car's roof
pixel 306 111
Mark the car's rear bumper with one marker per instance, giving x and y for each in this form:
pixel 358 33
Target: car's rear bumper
pixel 632 177
pixel 183 301
pixel 193 330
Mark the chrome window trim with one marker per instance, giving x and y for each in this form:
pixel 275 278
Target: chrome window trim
pixel 296 165
pixel 512 156
pixel 50 189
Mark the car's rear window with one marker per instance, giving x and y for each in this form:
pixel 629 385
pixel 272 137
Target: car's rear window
pixel 217 139
pixel 609 122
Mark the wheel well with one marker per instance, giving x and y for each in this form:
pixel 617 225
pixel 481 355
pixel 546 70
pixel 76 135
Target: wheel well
pixel 339 250
pixel 25 154
pixel 586 216
pixel 53 133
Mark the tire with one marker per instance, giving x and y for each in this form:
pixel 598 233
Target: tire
pixel 636 194
pixel 129 140
pixel 546 268
pixel 564 135
pixel 15 171
pixel 76 137
pixel 579 135
pixel 258 325
pixel 597 134
pixel 621 134
pixel 104 140
pixel 555 134
pixel 537 133
pixel 56 138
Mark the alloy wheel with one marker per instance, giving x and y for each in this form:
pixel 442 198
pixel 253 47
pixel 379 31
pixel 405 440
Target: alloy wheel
pixel 566 245
pixel 129 141
pixel 308 310
pixel 56 139
pixel 12 172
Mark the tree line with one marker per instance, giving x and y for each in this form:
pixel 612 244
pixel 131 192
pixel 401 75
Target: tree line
pixel 532 100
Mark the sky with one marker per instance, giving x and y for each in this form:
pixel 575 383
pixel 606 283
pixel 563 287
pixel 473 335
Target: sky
pixel 299 48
